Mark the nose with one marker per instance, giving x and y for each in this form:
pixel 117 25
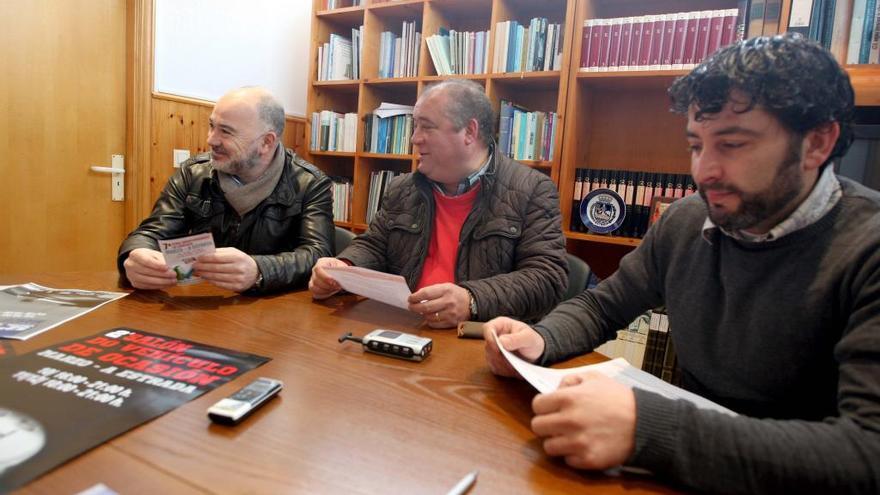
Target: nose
pixel 212 138
pixel 706 166
pixel 416 137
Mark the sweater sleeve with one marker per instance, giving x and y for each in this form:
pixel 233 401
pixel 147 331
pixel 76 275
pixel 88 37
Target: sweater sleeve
pixel 584 322
pixel 840 454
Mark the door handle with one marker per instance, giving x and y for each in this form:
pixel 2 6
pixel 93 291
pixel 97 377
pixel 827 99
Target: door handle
pixel 117 172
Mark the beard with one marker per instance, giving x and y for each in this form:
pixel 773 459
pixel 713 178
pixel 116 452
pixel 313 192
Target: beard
pixel 757 207
pixel 235 166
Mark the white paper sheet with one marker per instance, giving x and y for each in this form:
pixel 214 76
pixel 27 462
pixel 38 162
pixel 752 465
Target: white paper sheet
pixel 547 379
pixel 383 287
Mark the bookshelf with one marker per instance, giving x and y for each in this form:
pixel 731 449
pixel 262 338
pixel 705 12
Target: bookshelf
pixel 616 119
pixel 544 91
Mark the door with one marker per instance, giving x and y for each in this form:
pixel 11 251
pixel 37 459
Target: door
pixel 62 109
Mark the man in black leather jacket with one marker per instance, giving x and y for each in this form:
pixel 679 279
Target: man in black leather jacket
pixel 475 234
pixel 270 211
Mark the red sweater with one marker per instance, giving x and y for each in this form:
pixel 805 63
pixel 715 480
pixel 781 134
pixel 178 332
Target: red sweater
pixel 449 216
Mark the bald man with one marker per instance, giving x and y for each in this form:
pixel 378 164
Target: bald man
pixel 269 211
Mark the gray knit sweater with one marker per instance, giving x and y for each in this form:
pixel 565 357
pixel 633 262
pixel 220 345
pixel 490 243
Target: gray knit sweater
pixel 787 333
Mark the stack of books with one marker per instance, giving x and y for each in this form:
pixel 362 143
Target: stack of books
pixel 340 58
pixel 658 42
pixel 399 56
pixel 646 344
pixel 526 49
pixel 457 52
pixel 388 129
pixel 848 29
pixel 378 182
pixel 638 190
pixel 525 135
pixel 333 131
pixel 341 199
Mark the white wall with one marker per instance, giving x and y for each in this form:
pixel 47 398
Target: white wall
pixel 207 47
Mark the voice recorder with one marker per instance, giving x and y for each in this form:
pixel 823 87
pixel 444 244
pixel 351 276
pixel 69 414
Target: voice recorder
pixel 241 404
pixel 394 344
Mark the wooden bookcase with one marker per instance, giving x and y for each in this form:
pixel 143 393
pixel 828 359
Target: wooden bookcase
pixel 612 120
pixel 544 91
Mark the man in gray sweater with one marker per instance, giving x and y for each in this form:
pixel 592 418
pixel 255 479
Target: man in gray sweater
pixel 771 277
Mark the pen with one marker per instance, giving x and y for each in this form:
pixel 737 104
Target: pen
pixel 465 484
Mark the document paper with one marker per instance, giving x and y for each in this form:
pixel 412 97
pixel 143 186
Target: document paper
pixel 548 379
pixel 383 287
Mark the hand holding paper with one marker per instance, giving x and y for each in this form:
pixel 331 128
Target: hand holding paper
pixel 383 287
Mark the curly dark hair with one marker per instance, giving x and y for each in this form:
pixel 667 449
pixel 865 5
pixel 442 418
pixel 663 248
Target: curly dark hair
pixel 789 76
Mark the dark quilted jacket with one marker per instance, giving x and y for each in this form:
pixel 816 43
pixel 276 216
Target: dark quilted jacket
pixel 511 254
pixel 286 233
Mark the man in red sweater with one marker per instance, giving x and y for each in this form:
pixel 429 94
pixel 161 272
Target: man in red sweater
pixel 475 234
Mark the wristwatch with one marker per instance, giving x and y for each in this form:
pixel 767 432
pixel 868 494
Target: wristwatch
pixel 473 305
pixel 259 283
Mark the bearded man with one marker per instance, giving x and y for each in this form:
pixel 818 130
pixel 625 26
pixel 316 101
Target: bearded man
pixel 268 210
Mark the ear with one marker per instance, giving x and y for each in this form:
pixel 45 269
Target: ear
pixel 818 145
pixel 471 131
pixel 270 141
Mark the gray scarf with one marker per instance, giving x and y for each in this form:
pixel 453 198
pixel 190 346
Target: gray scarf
pixel 246 197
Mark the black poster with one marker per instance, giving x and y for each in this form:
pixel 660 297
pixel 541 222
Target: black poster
pixel 61 401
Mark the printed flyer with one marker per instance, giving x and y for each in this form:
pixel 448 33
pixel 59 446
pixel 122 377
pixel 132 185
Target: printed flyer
pixel 30 309
pixel 60 401
pixel 182 252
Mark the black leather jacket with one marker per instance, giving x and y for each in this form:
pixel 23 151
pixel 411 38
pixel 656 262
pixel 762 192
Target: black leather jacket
pixel 286 233
pixel 511 252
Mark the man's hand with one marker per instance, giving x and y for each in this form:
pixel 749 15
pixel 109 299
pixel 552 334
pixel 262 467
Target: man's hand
pixel 228 268
pixel 590 420
pixel 442 305
pixel 516 337
pixel 322 285
pixel 146 269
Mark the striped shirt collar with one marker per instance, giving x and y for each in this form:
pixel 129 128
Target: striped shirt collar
pixel 468 182
pixel 819 202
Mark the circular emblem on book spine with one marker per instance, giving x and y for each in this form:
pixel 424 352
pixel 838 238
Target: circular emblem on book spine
pixel 602 211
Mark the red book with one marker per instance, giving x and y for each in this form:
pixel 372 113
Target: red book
pixel 728 27
pixel 647 42
pixel 635 43
pixel 626 31
pixel 604 43
pixel 614 47
pixel 716 29
pixel 681 20
pixel 657 42
pixel 690 40
pixel 585 43
pixel 702 36
pixel 668 41
pixel 595 44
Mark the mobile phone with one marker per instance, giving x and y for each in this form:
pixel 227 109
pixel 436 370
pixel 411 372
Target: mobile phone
pixel 233 409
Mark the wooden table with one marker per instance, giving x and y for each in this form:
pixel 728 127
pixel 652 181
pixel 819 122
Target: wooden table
pixel 346 421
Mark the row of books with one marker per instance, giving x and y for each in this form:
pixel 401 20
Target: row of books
pixel 333 131
pixel 658 42
pixel 638 190
pixel 399 55
pixel 849 29
pixel 646 344
pixel 341 199
pixel 459 52
pixel 525 135
pixel 526 49
pixel 389 134
pixel 378 182
pixel 340 58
